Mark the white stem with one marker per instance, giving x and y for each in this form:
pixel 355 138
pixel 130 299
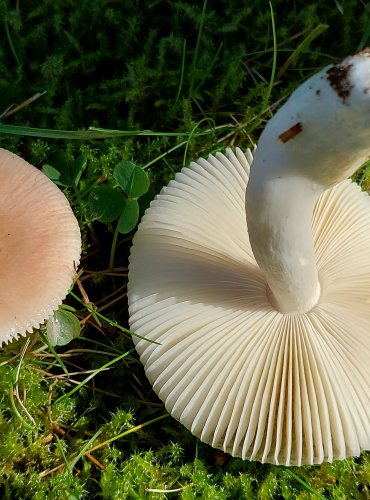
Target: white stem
pixel 279 215
pixel 317 139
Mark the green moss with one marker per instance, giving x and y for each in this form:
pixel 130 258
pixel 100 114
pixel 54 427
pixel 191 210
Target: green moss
pixel 138 66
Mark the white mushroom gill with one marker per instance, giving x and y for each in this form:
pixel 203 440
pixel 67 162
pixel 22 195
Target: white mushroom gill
pixel 317 139
pixel 282 377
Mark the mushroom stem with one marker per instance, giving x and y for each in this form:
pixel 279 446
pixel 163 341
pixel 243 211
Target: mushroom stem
pixel 317 139
pixel 279 224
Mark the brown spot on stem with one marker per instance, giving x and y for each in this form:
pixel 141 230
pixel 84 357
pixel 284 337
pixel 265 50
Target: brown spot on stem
pixel 318 92
pixel 339 81
pixel 291 132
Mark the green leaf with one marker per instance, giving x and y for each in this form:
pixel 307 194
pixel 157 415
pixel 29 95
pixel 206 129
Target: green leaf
pixel 51 172
pixel 62 327
pixel 129 216
pixel 58 160
pixel 77 167
pixel 69 173
pixel 132 179
pixel 106 203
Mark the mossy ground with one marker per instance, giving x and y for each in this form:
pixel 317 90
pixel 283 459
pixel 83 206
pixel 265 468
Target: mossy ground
pixel 199 75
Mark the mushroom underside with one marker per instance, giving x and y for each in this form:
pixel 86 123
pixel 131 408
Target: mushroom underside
pixel 281 388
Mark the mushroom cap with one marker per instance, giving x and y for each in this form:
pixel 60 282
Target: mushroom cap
pixel 259 384
pixel 40 246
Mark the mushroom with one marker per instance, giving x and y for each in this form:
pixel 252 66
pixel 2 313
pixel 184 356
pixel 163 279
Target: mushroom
pixel 260 346
pixel 40 247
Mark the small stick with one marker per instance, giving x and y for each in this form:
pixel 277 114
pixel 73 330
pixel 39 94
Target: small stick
pixel 14 108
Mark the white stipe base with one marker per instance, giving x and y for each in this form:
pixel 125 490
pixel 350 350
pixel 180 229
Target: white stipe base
pixel 281 388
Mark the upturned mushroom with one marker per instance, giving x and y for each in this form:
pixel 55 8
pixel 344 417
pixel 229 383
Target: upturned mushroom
pixel 256 288
pixel 40 247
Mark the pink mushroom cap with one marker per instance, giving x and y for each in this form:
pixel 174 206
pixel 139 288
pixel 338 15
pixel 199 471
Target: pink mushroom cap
pixel 40 246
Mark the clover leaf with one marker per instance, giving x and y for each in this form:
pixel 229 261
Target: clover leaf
pixel 120 202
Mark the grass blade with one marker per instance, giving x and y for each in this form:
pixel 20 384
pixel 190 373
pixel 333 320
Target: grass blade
pixel 196 51
pixel 93 374
pixel 130 431
pixel 306 486
pixel 320 28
